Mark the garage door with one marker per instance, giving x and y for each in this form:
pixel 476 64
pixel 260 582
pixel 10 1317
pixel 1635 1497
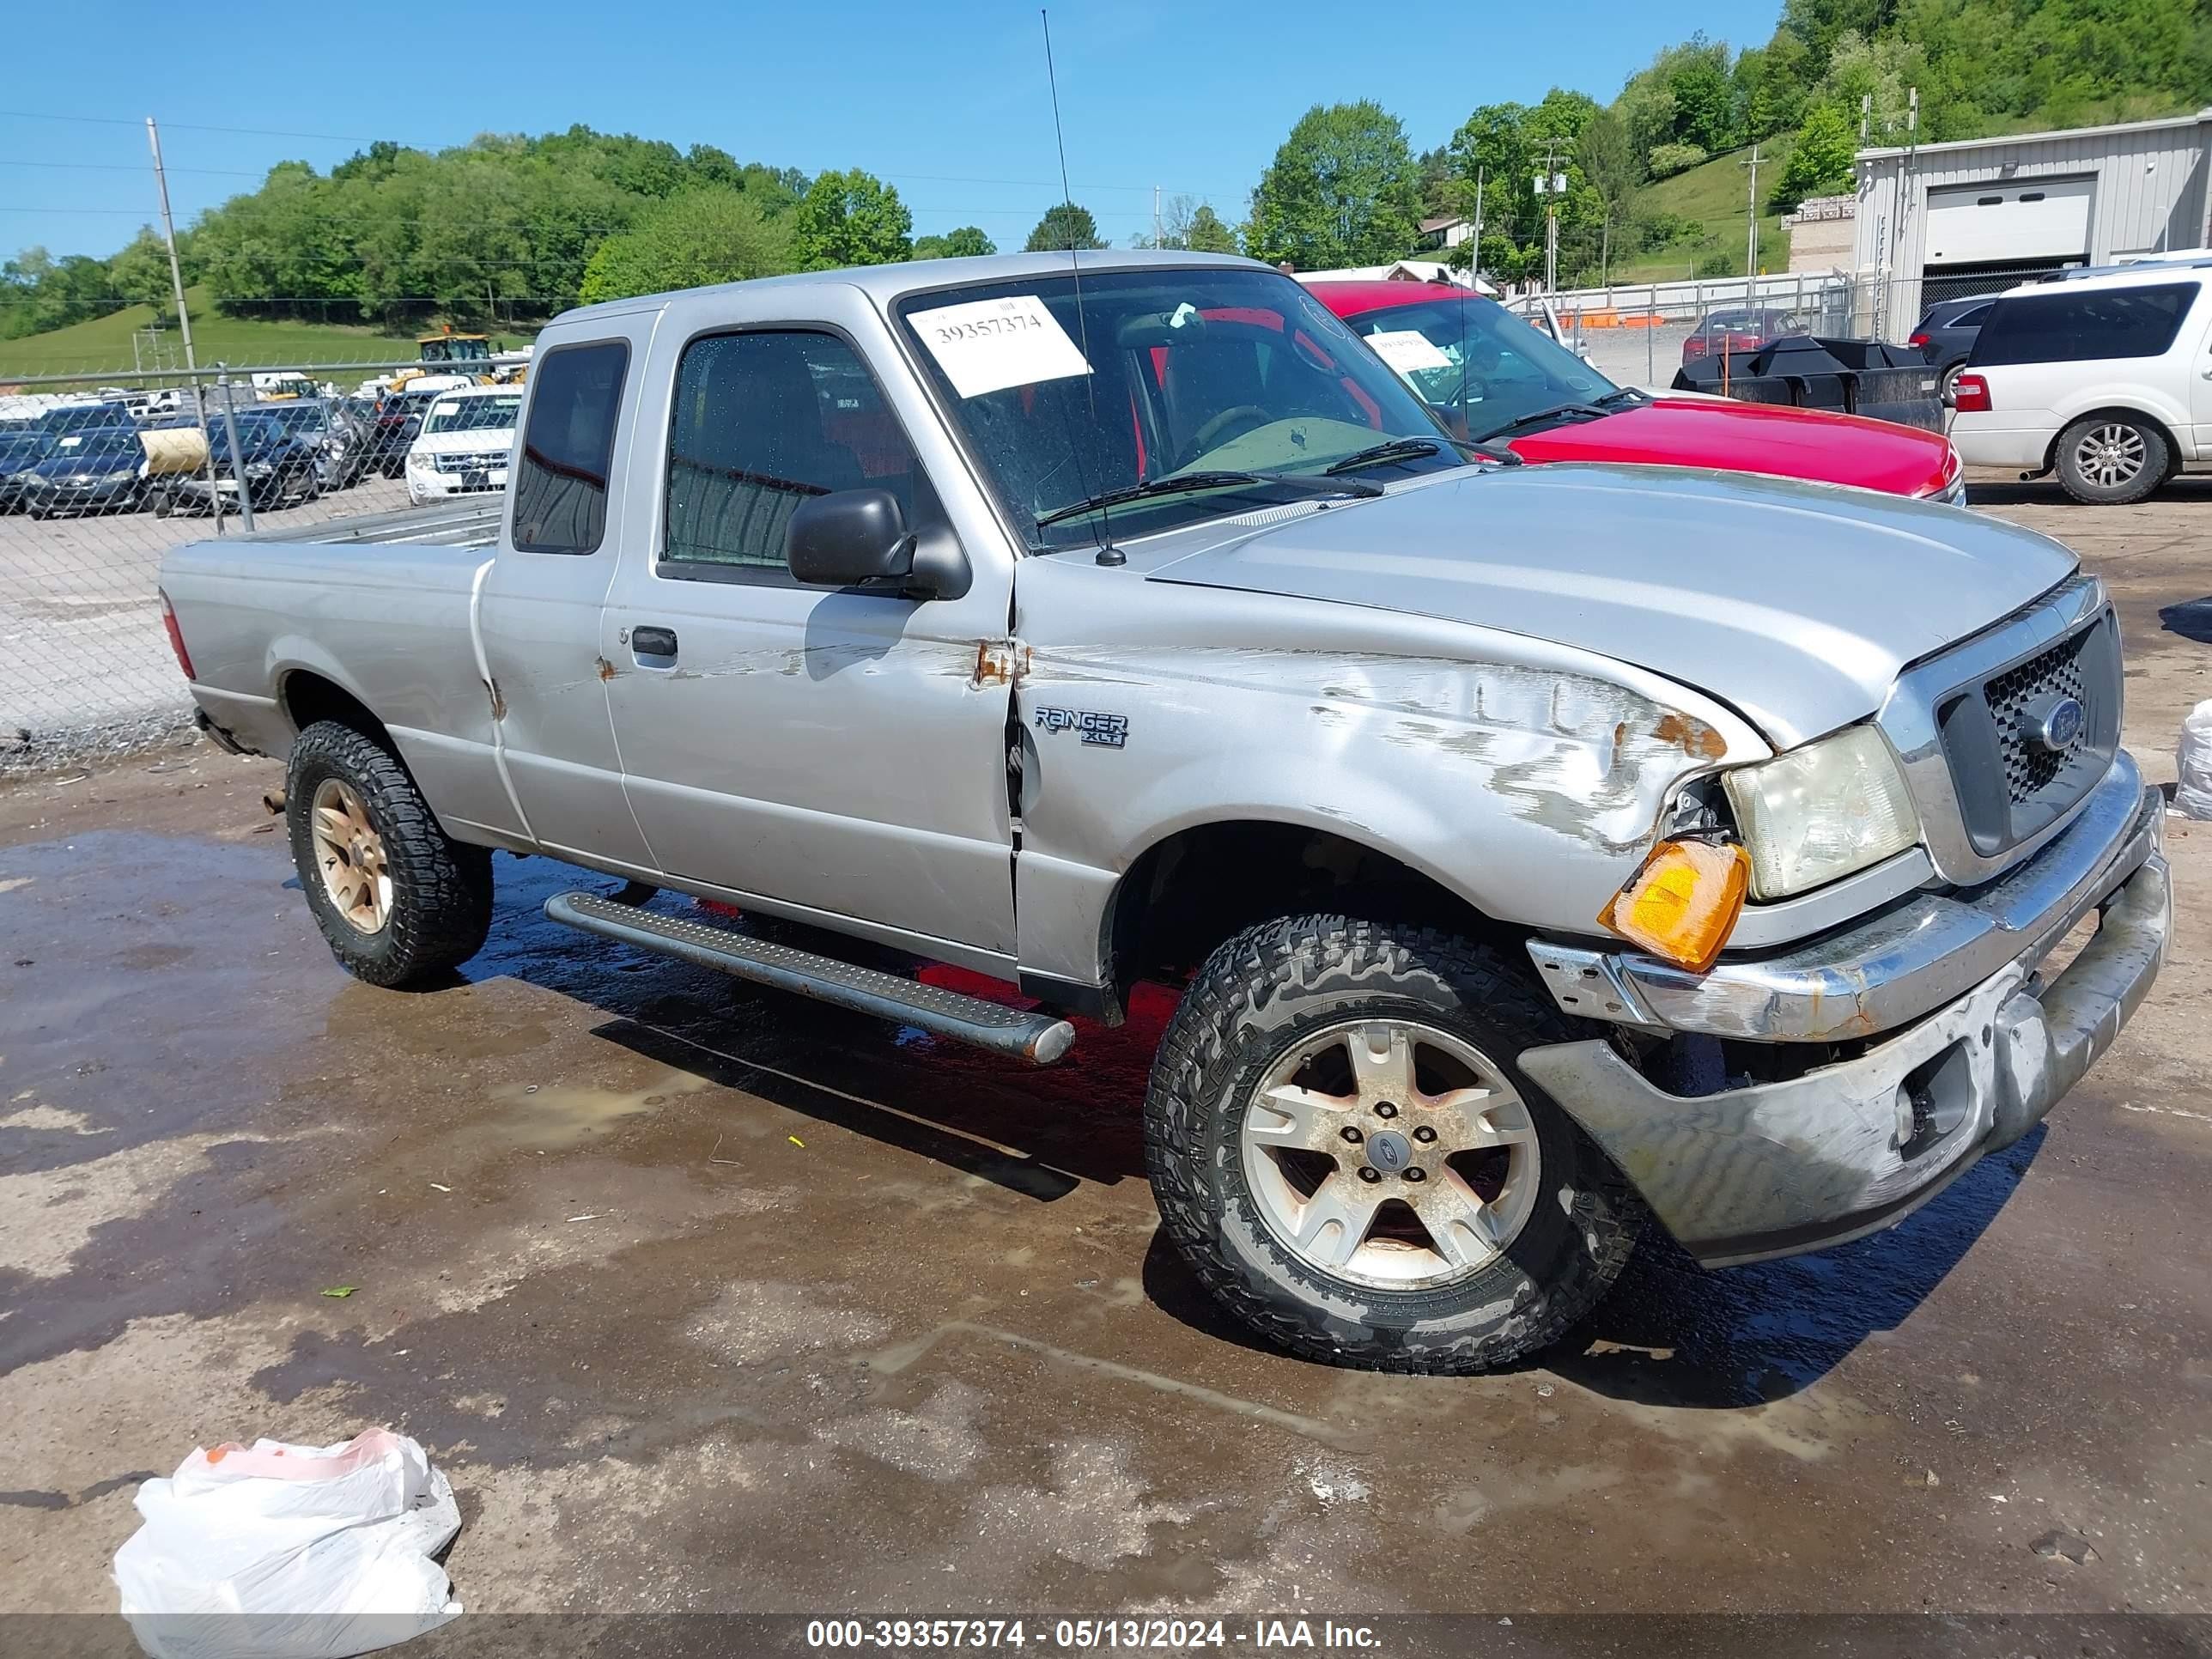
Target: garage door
pixel 2020 219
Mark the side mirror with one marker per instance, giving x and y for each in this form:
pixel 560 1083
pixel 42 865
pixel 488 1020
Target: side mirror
pixel 855 536
pixel 848 537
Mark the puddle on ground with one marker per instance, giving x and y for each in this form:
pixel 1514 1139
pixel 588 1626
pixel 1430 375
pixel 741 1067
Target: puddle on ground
pixel 555 1115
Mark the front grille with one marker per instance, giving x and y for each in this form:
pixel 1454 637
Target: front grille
pixel 2029 768
pixel 483 461
pixel 2008 787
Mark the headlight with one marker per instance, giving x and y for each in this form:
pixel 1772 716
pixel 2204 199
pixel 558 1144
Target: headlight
pixel 259 468
pixel 1821 811
pixel 418 463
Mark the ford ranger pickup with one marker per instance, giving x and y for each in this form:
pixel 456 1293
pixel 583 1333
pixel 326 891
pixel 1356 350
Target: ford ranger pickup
pixel 1536 849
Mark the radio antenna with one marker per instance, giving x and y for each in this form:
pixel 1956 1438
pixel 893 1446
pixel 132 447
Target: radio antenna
pixel 1107 553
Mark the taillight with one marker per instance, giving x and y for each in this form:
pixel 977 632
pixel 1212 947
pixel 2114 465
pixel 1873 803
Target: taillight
pixel 176 639
pixel 1693 347
pixel 1916 340
pixel 1970 395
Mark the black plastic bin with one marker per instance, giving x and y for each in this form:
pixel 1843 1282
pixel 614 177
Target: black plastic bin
pixel 1857 377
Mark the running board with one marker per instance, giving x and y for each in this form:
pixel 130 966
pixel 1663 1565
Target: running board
pixel 1039 1038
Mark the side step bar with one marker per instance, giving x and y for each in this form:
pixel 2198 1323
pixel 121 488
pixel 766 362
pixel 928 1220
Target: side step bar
pixel 1039 1038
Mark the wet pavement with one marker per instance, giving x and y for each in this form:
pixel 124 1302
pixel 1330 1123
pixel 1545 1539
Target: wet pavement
pixel 710 1299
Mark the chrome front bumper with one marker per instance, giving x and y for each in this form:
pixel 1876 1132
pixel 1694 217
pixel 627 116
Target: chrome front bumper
pixel 1848 1149
pixel 1921 953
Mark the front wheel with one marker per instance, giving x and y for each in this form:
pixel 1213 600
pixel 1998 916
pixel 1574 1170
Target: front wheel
pixel 1343 1148
pixel 2111 460
pixel 398 901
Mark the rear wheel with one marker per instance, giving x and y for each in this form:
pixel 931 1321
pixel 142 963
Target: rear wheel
pixel 397 900
pixel 2111 460
pixel 1343 1148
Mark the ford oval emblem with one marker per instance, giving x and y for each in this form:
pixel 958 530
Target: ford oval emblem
pixel 1388 1151
pixel 2052 724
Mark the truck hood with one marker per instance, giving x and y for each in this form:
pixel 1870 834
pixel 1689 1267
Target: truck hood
pixel 1796 603
pixel 1789 443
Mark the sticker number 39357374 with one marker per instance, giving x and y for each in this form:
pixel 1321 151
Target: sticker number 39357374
pixel 988 346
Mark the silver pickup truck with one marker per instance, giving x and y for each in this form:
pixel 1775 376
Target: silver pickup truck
pixel 1534 847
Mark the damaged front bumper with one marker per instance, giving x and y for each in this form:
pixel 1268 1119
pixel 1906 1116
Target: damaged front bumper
pixel 1850 1148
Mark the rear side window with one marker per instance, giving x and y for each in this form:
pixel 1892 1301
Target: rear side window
pixel 763 420
pixel 1973 318
pixel 560 486
pixel 2067 325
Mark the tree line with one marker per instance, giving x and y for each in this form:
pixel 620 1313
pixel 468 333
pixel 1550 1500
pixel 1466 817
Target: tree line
pixel 511 228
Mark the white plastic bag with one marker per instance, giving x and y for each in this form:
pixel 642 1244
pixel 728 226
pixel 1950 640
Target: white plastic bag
pixel 326 1550
pixel 2193 798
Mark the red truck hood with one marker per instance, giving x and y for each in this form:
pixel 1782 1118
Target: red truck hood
pixel 1791 443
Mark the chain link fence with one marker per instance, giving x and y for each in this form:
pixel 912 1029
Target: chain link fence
pixel 1644 333
pixel 100 475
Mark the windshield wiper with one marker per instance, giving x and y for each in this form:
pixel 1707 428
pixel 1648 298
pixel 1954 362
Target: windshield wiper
pixel 1623 395
pixel 1413 448
pixel 1395 449
pixel 1176 483
pixel 1556 411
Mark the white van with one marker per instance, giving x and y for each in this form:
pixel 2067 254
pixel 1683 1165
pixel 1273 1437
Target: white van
pixel 2107 380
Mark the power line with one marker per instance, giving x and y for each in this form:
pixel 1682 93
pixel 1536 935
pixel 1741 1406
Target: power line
pixel 187 126
pixel 118 167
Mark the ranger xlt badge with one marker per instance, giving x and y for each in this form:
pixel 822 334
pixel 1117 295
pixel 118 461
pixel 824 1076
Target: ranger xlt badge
pixel 1107 730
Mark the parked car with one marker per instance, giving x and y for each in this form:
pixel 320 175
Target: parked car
pixel 341 442
pixel 282 469
pixel 1496 380
pixel 89 469
pixel 396 424
pixel 462 449
pixel 31 439
pixel 1946 331
pixel 1529 847
pixel 1742 329
pixel 19 449
pixel 2104 381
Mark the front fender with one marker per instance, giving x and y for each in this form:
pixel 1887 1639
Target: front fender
pixel 1530 791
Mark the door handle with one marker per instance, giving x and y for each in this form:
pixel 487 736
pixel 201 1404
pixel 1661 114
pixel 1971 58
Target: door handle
pixel 652 642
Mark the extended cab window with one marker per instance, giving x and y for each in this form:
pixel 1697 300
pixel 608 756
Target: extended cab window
pixel 560 486
pixel 2068 326
pixel 763 420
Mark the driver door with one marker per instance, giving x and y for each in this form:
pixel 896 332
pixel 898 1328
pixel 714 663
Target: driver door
pixel 834 752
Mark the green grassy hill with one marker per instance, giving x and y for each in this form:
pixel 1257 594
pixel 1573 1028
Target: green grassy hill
pixel 1714 194
pixel 106 344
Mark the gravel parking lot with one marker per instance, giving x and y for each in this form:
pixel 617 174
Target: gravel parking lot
pixel 711 1299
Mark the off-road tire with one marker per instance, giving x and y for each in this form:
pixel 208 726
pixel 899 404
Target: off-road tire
pixel 1259 995
pixel 2157 462
pixel 440 888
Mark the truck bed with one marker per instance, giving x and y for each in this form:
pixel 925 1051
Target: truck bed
pixel 473 522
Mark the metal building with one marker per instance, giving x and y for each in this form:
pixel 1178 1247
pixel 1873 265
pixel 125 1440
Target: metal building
pixel 1938 221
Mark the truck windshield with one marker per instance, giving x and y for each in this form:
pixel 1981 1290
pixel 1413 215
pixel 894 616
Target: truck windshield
pixel 474 414
pixel 1477 361
pixel 1238 378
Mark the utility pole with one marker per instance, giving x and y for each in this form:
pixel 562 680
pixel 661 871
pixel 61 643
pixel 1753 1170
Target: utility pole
pixel 1551 185
pixel 184 328
pixel 1751 230
pixel 1155 216
pixel 1474 260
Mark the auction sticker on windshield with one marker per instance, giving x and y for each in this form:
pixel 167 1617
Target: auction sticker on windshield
pixel 1407 350
pixel 991 344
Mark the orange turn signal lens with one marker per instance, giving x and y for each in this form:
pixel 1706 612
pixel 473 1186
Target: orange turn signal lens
pixel 1683 903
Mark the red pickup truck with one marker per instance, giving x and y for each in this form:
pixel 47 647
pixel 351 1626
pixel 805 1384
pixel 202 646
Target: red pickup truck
pixel 1495 379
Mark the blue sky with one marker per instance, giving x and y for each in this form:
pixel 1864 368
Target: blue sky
pixel 948 104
